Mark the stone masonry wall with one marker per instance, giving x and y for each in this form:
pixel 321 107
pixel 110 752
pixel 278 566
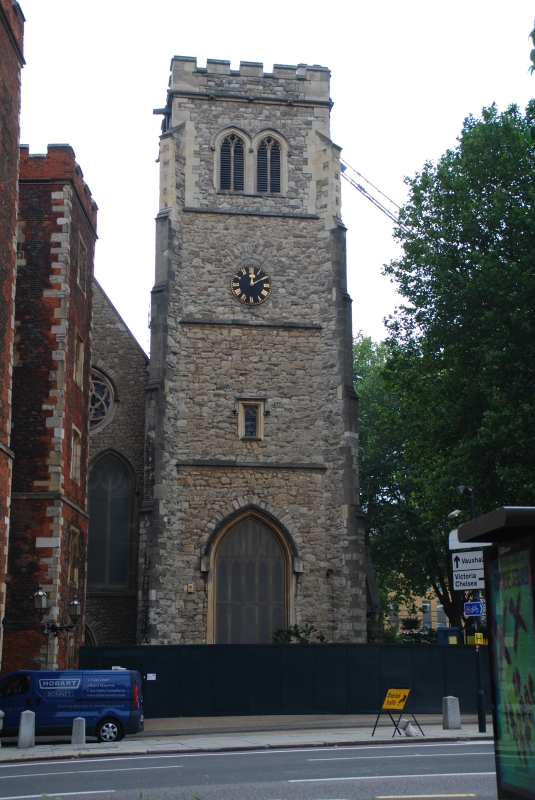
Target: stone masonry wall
pixel 112 617
pixel 208 351
pixel 11 61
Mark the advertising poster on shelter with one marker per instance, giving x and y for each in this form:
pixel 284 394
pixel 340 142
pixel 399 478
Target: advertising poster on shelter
pixel 513 655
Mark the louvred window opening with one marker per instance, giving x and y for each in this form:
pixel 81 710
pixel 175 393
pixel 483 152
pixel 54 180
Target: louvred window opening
pixel 268 166
pixel 232 164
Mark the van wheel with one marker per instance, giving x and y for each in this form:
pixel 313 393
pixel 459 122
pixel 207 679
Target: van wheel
pixel 109 730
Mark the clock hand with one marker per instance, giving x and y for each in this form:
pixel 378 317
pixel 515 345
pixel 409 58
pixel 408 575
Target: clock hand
pixel 257 281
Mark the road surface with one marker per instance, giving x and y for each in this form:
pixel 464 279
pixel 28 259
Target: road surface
pixel 398 771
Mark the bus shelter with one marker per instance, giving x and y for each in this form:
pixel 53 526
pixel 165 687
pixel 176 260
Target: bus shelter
pixel 509 589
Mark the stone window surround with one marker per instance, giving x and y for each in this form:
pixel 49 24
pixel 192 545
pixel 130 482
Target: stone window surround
pixel 74 556
pixel 81 272
pixel 241 405
pixel 251 146
pixel 76 454
pixel 78 371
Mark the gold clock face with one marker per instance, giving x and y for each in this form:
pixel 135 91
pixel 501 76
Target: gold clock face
pixel 251 285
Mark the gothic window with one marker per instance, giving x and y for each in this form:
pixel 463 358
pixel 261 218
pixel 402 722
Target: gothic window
pixel 110 501
pixel 268 166
pixel 231 168
pixel 250 590
pixel 101 404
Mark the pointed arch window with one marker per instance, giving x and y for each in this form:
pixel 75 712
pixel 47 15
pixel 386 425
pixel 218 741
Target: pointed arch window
pixel 231 168
pixel 109 537
pixel 268 166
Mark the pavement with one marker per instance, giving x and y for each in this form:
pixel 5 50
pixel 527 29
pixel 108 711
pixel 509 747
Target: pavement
pixel 220 734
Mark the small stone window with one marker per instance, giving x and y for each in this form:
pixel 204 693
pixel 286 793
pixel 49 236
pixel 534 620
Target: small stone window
pixel 102 401
pixel 76 455
pixel 251 419
pixel 268 166
pixel 79 360
pixel 82 265
pixel 231 165
pixel 74 556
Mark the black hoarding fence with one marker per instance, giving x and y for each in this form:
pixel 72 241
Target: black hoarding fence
pixel 212 680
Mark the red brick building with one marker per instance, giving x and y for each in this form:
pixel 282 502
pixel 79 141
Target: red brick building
pixel 51 379
pixel 11 62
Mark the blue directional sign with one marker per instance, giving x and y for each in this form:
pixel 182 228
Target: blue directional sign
pixel 475 609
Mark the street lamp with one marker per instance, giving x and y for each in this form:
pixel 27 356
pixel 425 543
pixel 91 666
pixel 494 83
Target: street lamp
pixel 75 612
pixel 75 609
pixel 468 493
pixel 40 600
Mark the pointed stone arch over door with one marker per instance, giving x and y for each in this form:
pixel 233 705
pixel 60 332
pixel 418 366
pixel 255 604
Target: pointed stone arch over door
pixel 251 583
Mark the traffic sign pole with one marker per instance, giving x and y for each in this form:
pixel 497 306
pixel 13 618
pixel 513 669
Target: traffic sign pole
pixel 481 716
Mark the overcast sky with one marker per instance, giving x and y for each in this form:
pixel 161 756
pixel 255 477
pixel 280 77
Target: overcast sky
pixel 404 76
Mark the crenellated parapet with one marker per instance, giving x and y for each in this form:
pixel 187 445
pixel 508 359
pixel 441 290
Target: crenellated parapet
pixel 293 83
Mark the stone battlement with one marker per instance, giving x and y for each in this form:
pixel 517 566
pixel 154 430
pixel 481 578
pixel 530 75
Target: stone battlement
pixel 300 82
pixel 58 164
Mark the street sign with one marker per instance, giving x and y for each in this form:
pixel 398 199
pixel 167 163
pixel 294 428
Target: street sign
pixel 469 579
pixel 395 699
pixel 479 638
pixel 475 609
pixel 473 559
pixel 468 570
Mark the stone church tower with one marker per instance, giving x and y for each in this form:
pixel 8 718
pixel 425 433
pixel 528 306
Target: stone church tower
pixel 251 518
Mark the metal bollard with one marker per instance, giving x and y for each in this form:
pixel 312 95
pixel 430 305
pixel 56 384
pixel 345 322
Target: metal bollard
pixel 78 731
pixel 26 730
pixel 451 715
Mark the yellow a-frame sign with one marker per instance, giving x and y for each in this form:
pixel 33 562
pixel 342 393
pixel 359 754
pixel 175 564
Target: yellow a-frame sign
pixel 395 700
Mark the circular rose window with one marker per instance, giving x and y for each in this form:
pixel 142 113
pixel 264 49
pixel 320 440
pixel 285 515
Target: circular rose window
pixel 102 403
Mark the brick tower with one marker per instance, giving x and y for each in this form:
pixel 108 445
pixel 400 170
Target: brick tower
pixel 52 362
pixel 251 519
pixel 11 62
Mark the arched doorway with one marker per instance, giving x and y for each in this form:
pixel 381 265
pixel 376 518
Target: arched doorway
pixel 251 580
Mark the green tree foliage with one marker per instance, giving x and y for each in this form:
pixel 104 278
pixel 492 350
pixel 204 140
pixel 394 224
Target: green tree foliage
pixel 449 399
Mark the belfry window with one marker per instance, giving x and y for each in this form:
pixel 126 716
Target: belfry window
pixel 268 166
pixel 232 163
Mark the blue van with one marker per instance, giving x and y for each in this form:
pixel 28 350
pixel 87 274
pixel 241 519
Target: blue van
pixel 111 701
